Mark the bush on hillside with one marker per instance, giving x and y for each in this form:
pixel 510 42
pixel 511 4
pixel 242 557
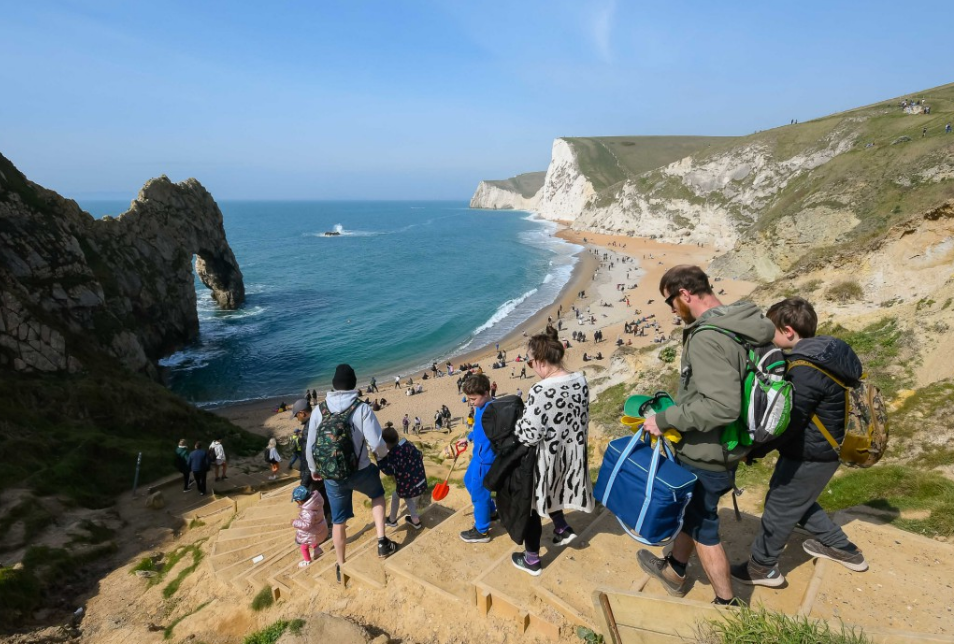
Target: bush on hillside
pixel 845 290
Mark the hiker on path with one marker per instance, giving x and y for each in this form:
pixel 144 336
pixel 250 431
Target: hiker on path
pixel 405 423
pixel 217 455
pixel 342 408
pixel 555 421
pixel 296 449
pixel 710 398
pixel 477 390
pixel 311 526
pixel 273 458
pixel 301 411
pixel 199 466
pixel 182 464
pixel 806 461
pixel 406 464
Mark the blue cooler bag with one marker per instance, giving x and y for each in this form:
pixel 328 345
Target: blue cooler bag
pixel 645 488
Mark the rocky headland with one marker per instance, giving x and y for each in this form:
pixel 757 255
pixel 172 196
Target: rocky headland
pixel 72 285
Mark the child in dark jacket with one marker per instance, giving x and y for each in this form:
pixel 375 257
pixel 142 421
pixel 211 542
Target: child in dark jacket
pixel 806 461
pixel 406 464
pixel 311 527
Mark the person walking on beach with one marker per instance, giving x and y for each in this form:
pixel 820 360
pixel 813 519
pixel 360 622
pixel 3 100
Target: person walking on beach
pixel 710 398
pixel 561 475
pixel 397 382
pixel 477 390
pixel 217 452
pixel 341 434
pixel 405 422
pixel 199 466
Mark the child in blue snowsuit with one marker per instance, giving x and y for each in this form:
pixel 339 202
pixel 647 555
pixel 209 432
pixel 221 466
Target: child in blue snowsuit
pixel 477 389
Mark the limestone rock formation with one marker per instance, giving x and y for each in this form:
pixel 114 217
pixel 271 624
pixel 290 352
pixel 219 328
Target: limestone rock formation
pixel 73 288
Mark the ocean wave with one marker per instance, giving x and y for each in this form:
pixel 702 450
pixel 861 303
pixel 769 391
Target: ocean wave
pixel 548 278
pixel 189 359
pixel 503 311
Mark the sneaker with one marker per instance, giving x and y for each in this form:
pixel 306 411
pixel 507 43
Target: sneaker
pixel 735 602
pixel 475 536
pixel 224 477
pixel 850 560
pixel 338 572
pixel 304 564
pixel 659 568
pixel 391 523
pixel 563 538
pixel 416 526
pixel 519 561
pixel 753 574
pixel 272 477
pixel 386 548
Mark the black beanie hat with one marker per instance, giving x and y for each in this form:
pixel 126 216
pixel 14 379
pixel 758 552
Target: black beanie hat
pixel 344 379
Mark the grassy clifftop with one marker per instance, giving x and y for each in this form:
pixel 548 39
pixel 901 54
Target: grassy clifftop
pixel 526 185
pixel 607 160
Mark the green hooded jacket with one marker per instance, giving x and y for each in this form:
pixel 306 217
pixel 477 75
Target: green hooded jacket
pixel 710 384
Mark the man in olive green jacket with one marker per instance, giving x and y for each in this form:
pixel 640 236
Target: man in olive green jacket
pixel 709 398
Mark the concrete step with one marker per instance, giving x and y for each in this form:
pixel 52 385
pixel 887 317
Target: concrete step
pixel 248 550
pixel 441 562
pixel 216 507
pixel 257 576
pixel 506 592
pixel 365 566
pixel 231 573
pixel 234 534
pixel 270 511
pixel 265 522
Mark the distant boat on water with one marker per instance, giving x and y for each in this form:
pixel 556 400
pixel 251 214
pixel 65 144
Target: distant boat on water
pixel 332 233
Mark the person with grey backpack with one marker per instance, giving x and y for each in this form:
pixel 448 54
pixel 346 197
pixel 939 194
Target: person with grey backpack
pixel 342 431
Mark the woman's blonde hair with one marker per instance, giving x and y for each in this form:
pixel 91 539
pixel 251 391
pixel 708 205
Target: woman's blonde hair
pixel 272 443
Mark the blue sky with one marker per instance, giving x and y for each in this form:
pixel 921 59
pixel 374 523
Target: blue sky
pixel 410 99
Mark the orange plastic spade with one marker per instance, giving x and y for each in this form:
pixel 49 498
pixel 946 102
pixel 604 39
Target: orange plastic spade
pixel 441 490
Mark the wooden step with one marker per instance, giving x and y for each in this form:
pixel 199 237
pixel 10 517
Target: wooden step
pixel 365 566
pixel 441 562
pixel 247 550
pixel 509 593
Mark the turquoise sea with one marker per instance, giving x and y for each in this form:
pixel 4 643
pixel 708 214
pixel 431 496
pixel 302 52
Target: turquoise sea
pixel 404 283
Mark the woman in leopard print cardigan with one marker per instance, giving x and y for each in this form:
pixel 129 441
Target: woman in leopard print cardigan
pixel 555 420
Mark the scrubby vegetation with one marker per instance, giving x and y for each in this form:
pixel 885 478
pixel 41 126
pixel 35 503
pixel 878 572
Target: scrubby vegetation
pixel 263 599
pixel 845 291
pixel 272 633
pixel 764 627
pixel 52 428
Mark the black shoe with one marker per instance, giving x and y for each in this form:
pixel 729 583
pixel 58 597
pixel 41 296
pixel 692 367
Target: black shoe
pixel 475 536
pixel 735 602
pixel 338 572
pixel 519 561
pixel 416 526
pixel 753 574
pixel 386 548
pixel 564 538
pixel 224 477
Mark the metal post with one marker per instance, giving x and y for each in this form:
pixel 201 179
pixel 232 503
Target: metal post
pixel 136 480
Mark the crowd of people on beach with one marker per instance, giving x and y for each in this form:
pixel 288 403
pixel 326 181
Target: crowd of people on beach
pixel 530 457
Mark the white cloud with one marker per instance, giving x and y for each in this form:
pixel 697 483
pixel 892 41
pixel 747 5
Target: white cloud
pixel 601 27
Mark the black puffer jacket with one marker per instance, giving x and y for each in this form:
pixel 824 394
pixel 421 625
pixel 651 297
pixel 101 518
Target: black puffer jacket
pixel 816 393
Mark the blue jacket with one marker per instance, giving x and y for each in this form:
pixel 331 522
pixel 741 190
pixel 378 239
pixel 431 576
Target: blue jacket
pixel 199 460
pixel 483 452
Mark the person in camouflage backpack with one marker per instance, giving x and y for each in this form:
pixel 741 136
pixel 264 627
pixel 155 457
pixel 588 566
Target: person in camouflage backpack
pixel 359 473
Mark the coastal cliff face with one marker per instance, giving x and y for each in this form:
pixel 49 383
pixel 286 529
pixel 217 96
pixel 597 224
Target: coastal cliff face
pixel 516 193
pixel 73 287
pixel 768 201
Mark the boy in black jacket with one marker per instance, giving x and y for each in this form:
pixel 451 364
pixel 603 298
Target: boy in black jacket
pixel 806 460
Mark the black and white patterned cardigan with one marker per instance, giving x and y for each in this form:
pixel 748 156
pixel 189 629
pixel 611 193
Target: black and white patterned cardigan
pixel 556 420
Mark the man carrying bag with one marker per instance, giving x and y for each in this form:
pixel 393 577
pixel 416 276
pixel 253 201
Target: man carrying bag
pixel 709 398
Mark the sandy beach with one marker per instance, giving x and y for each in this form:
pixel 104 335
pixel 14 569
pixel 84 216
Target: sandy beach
pixel 606 262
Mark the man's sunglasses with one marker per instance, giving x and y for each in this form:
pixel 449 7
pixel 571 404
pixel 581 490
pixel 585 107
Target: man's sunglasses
pixel 671 299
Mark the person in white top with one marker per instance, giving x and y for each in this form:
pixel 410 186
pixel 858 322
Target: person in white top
pixel 217 456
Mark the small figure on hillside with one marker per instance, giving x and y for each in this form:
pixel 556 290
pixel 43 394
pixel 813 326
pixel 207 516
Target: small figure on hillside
pixel 311 525
pixel 182 464
pixel 273 458
pixel 199 465
pixel 923 132
pixel 296 449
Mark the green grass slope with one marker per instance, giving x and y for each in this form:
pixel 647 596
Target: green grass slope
pixel 526 185
pixel 607 160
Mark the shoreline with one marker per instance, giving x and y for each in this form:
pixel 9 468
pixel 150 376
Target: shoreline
pixel 605 263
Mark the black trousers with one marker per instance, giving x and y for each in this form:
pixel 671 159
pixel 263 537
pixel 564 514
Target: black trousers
pixel 200 481
pixel 185 479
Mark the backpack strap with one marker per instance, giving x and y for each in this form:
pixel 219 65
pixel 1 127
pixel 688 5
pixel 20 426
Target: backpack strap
pixel 815 419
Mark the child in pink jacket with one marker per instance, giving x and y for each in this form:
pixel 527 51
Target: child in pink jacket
pixel 312 529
